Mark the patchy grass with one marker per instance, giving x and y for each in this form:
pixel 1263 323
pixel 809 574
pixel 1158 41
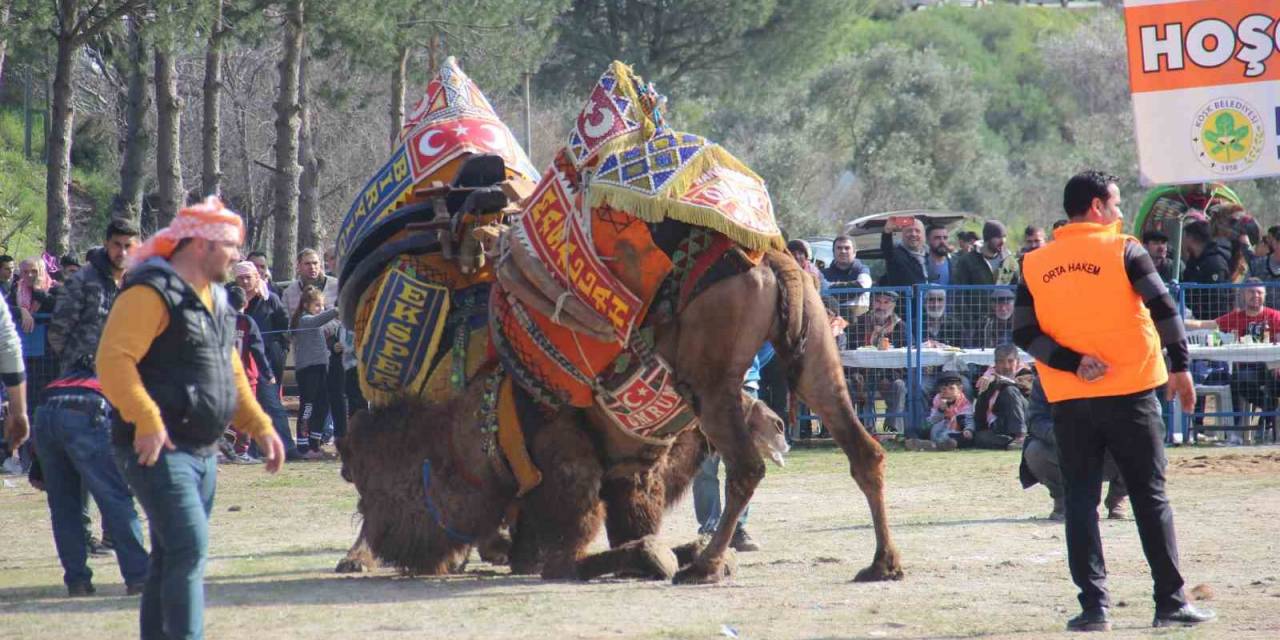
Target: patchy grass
pixel 980 561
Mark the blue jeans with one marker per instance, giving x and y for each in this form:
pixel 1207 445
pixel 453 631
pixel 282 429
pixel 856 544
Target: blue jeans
pixel 706 496
pixel 177 494
pixel 72 437
pixel 269 399
pixel 706 492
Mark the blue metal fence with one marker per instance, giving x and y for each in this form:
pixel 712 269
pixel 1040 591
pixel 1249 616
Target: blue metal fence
pixel 958 326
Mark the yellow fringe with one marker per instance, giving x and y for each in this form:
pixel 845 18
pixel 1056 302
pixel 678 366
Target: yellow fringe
pixel 654 208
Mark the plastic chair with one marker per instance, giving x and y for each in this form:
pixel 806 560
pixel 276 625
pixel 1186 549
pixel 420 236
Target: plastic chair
pixel 1223 404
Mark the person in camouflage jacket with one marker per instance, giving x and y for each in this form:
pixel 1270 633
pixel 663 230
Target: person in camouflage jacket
pixel 81 309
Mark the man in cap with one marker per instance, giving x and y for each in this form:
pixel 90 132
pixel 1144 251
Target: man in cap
pixel 168 364
pixel 997 328
pixel 991 264
pixel 1157 245
pixel 873 329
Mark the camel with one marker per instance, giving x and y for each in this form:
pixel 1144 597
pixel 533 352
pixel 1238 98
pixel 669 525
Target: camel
pixel 709 345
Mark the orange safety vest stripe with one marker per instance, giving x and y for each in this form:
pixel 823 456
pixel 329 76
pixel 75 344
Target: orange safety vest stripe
pixel 1085 302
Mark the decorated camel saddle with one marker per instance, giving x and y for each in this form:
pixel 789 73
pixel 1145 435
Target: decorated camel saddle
pixel 414 280
pixel 630 221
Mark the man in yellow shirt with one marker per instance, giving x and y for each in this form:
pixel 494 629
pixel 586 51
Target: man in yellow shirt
pixel 167 362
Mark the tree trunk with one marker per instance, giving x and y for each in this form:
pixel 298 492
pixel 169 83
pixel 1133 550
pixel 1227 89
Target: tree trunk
pixel 285 208
pixel 309 185
pixel 247 209
pixel 168 133
pixel 433 48
pixel 137 139
pixel 397 97
pixel 5 5
pixel 210 165
pixel 57 226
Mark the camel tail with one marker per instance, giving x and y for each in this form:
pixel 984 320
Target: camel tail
pixel 792 281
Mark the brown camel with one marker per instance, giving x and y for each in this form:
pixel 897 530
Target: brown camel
pixel 709 345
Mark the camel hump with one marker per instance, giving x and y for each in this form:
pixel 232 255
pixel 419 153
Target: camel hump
pixel 791 281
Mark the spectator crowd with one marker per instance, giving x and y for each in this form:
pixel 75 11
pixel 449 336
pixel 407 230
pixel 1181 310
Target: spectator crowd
pixel 60 306
pixel 967 294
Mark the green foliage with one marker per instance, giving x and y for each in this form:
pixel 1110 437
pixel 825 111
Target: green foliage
pixel 495 40
pixel 22 186
pixel 21 201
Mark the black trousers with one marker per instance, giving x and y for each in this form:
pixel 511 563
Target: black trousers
pixel 1131 428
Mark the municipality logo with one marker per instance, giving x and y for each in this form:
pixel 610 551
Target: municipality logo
pixel 1227 135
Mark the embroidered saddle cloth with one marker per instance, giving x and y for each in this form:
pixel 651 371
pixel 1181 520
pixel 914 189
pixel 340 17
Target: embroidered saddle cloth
pixel 581 268
pixel 420 319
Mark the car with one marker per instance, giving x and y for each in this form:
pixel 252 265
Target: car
pixel 913 5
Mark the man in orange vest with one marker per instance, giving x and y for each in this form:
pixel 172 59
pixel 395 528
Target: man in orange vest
pixel 1100 362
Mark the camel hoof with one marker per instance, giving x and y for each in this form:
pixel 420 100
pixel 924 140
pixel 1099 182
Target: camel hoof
pixel 496 549
pixel 699 573
pixel 879 572
pixel 688 552
pixel 560 569
pixel 655 562
pixel 350 565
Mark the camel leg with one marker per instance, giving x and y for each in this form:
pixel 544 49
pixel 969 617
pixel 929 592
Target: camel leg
pixel 526 557
pixel 725 425
pixel 710 348
pixel 820 381
pixel 359 557
pixel 633 507
pixel 643 558
pixel 565 509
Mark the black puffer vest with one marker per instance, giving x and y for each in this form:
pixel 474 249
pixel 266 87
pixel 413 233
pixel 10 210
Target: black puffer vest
pixel 188 370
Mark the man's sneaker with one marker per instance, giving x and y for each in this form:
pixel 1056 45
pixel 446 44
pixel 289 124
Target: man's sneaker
pixel 1118 512
pixel 742 541
pixel 1184 616
pixel 134 589
pixel 12 466
pixel 245 458
pixel 1096 619
pixel 80 590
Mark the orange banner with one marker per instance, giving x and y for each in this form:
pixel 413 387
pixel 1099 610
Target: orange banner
pixel 1201 43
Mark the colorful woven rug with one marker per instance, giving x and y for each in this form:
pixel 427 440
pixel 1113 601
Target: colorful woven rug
pixel 451 121
pixel 588 226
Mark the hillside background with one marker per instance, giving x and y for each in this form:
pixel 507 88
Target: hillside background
pixel 846 107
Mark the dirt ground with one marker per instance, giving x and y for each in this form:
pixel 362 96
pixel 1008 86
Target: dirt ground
pixel 981 561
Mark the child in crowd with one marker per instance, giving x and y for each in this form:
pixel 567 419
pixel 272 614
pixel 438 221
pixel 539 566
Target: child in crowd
pixel 314 328
pixel 950 420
